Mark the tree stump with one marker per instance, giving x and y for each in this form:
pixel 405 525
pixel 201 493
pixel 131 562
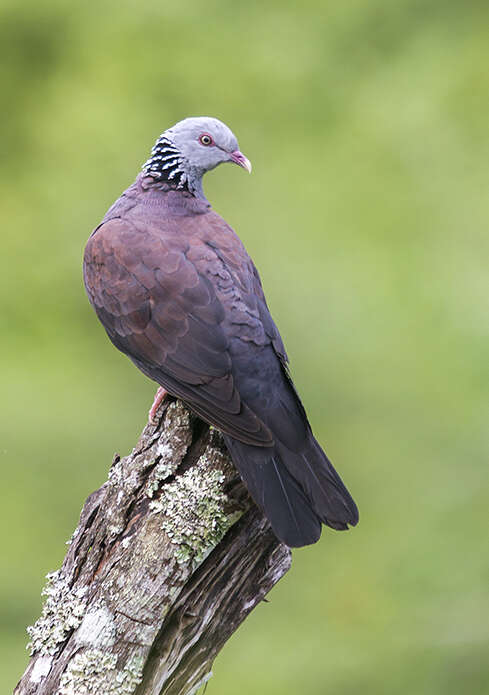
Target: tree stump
pixel 168 559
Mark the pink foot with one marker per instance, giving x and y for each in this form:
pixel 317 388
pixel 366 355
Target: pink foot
pixel 159 398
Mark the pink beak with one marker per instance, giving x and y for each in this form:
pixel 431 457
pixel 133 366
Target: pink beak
pixel 238 158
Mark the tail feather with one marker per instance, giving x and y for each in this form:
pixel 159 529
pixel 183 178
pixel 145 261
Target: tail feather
pixel 296 491
pixel 331 500
pixel 275 491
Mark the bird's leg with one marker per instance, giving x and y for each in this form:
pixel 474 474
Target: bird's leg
pixel 159 398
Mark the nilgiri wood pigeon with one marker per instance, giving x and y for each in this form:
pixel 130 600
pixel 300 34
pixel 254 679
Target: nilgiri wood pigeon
pixel 177 292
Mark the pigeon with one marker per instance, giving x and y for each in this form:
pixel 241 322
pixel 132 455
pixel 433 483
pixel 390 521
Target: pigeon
pixel 177 292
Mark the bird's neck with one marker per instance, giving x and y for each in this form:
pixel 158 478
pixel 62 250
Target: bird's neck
pixel 167 165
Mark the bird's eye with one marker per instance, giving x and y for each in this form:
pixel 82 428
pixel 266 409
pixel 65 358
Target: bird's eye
pixel 205 139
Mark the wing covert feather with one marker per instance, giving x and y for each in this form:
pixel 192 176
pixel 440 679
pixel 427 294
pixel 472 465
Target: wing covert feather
pixel 165 315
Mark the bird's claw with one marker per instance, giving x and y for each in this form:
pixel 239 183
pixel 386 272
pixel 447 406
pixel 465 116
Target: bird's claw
pixel 158 400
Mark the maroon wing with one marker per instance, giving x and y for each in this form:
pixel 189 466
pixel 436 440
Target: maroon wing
pixel 163 312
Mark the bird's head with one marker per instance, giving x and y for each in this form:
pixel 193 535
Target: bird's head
pixel 190 148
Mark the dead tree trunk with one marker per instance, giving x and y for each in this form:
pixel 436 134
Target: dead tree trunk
pixel 168 559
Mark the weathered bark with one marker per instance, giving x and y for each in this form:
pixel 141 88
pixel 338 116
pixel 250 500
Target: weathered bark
pixel 168 559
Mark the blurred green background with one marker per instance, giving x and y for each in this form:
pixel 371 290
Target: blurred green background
pixel 367 125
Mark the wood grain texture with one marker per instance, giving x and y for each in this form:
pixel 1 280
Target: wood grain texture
pixel 168 559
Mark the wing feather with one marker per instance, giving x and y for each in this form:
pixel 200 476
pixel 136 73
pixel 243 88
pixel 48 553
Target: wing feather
pixel 165 315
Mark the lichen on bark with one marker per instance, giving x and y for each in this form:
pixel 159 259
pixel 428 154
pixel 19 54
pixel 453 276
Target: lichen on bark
pixel 168 451
pixel 195 510
pixel 159 572
pixel 62 612
pixel 95 672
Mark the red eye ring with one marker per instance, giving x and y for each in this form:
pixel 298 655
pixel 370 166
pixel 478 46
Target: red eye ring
pixel 206 140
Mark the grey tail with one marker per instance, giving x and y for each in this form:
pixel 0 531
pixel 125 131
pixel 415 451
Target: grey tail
pixel 297 491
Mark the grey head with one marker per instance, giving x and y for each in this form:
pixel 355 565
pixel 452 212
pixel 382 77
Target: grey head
pixel 190 148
